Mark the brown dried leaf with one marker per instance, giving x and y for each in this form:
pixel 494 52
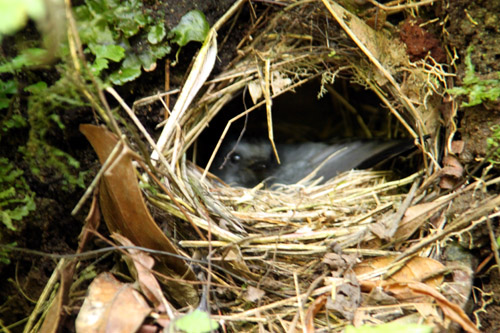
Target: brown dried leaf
pixel 452 167
pixel 338 263
pixel 457 146
pixel 447 182
pixel 378 296
pixel 416 269
pixel 56 312
pixel 313 309
pixel 126 213
pixel 346 297
pixel 143 264
pixel 451 310
pixel 414 217
pixel 111 306
pixel 234 258
pixel 92 222
pixel 253 294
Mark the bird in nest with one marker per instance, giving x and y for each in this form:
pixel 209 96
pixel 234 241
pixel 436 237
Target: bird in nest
pixel 248 162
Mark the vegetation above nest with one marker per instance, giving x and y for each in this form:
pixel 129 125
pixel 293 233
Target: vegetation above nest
pixel 132 35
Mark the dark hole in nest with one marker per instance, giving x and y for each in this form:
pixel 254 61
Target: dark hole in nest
pixel 344 113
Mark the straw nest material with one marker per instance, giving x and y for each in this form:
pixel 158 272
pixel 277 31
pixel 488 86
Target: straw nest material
pixel 292 256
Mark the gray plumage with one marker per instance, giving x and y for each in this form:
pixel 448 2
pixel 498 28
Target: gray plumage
pixel 250 162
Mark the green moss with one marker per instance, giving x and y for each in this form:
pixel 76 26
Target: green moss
pixel 481 91
pixel 124 32
pixel 7 90
pixel 16 198
pixel 44 106
pixel 26 58
pixel 494 145
pixel 477 89
pixel 131 35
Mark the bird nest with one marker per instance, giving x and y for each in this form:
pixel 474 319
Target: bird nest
pixel 359 248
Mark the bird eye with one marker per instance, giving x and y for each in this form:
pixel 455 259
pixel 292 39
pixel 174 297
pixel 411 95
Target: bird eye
pixel 235 158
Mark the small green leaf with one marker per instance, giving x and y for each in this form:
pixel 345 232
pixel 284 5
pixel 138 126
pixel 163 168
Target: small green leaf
pixel 156 33
pixel 16 121
pixel 111 52
pixel 125 75
pixel 7 220
pixel 16 199
pixel 141 19
pixel 56 119
pixel 148 58
pixel 92 32
pixel 126 22
pixel 8 87
pixel 36 87
pixel 8 193
pixel 130 70
pixel 5 252
pixel 103 53
pixel 192 27
pixel 28 57
pixel 98 65
pixel 196 322
pixel 4 102
pixel 478 90
pixel 98 6
pixel 159 51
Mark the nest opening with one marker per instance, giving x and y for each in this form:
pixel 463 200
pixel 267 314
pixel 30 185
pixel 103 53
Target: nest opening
pixel 313 112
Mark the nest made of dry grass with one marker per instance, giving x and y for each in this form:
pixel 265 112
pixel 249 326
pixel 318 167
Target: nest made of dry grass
pixel 275 239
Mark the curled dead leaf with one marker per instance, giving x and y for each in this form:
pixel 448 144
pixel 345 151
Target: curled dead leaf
pixel 111 306
pixel 451 310
pixel 126 213
pixel 415 270
pixel 452 167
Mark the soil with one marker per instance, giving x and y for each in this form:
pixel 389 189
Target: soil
pixel 52 228
pixel 476 24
